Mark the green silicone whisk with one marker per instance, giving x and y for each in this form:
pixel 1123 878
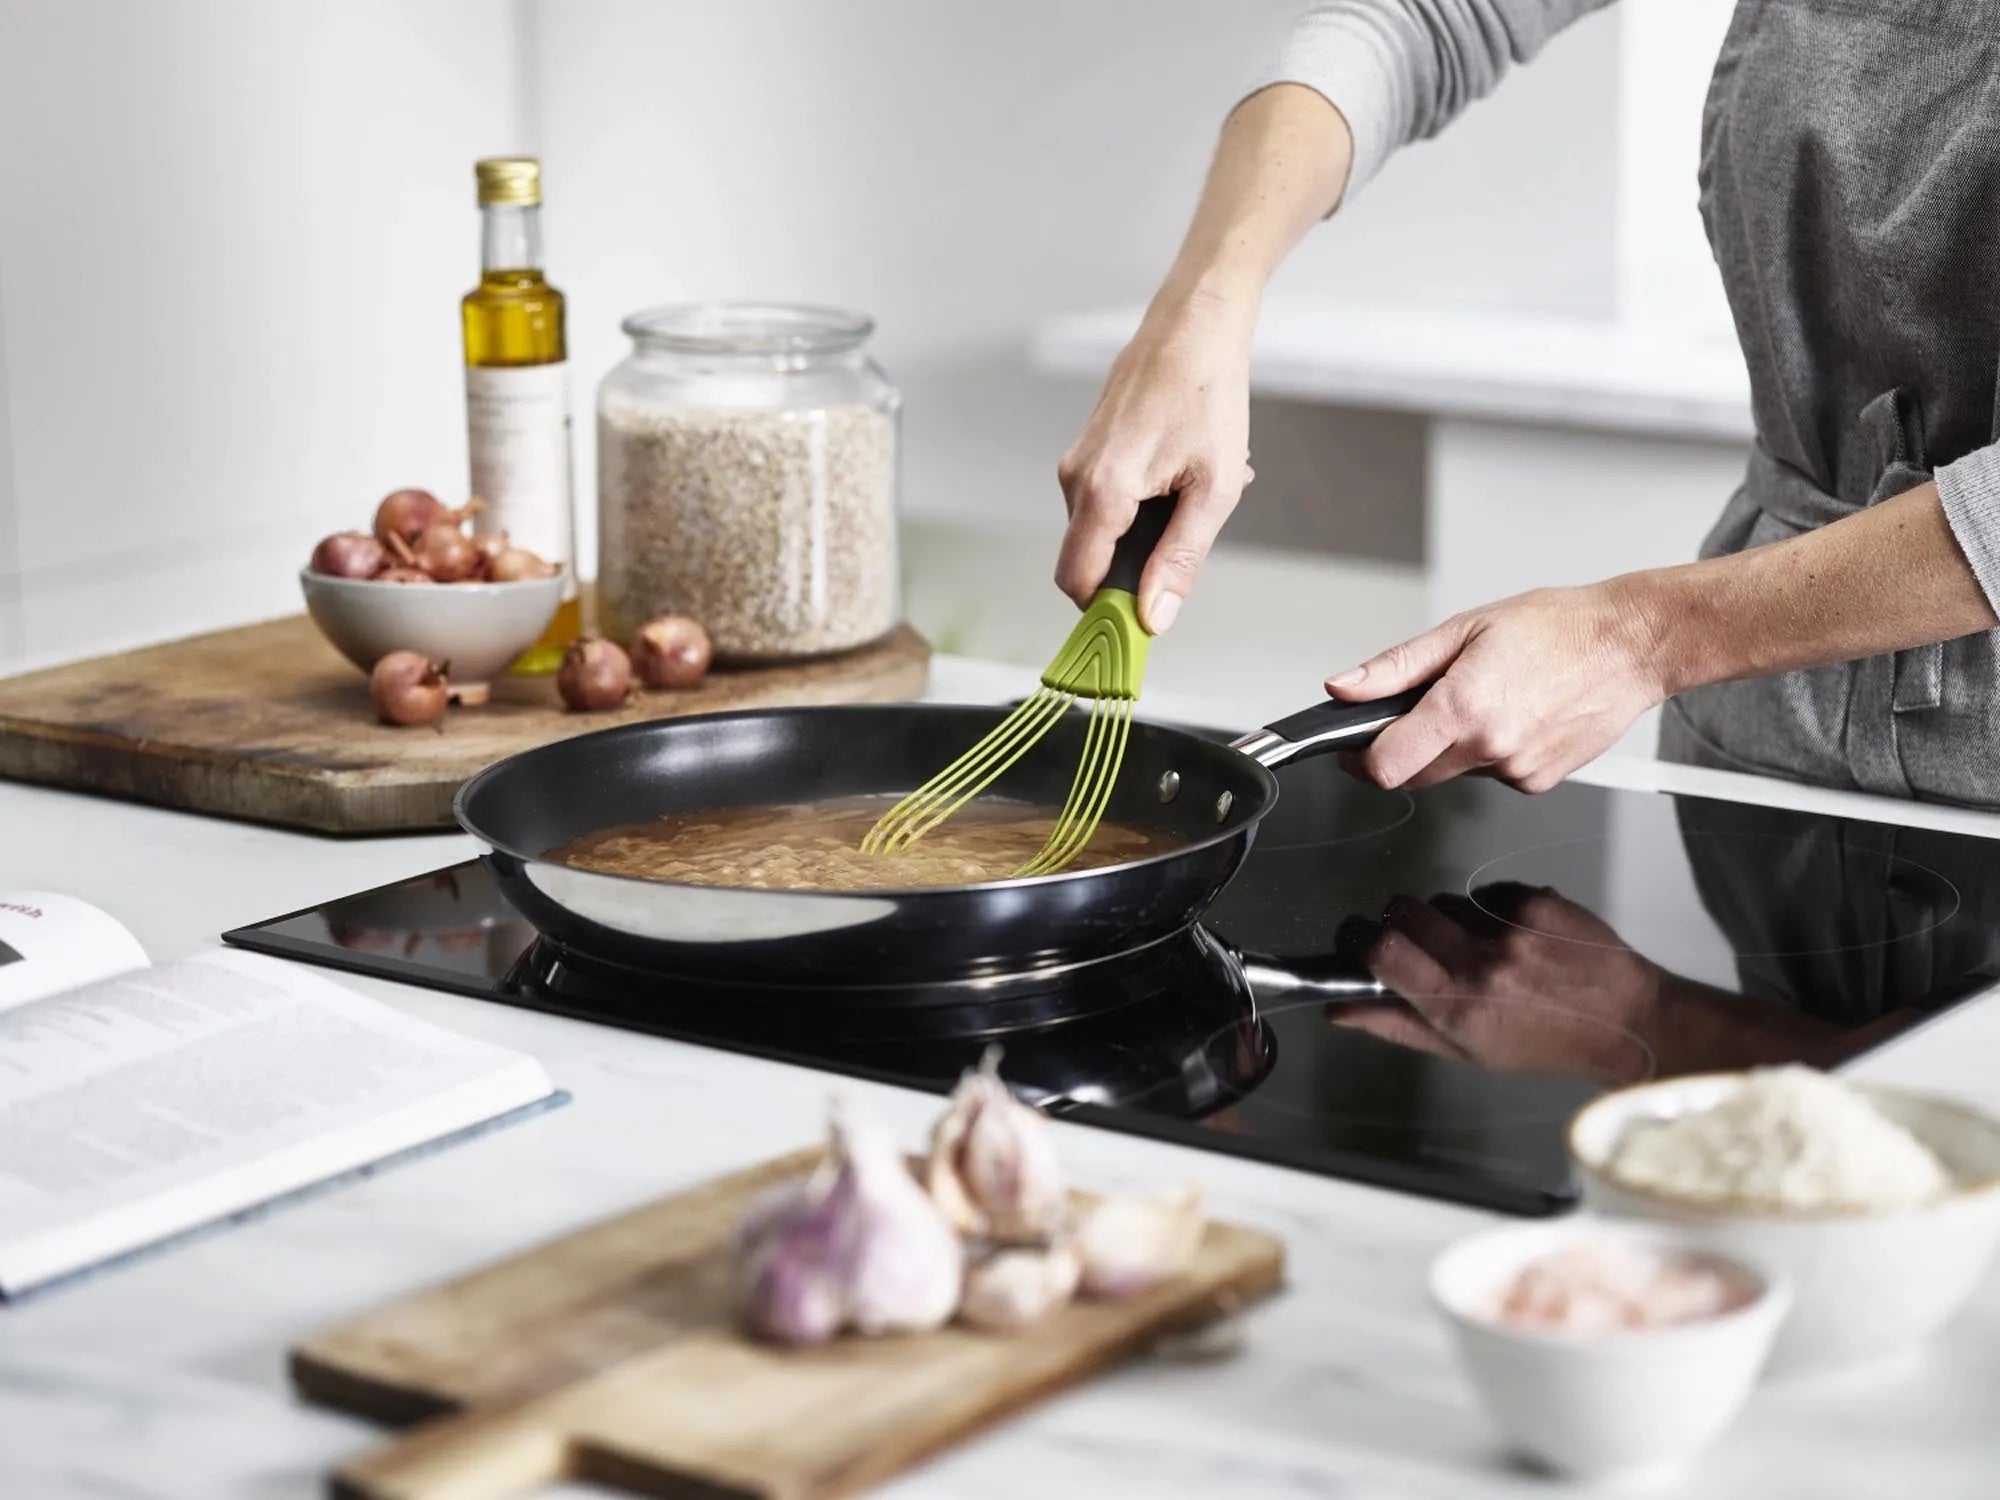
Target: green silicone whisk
pixel 1104 661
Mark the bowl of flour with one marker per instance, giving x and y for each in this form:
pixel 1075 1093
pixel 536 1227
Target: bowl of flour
pixel 1881 1205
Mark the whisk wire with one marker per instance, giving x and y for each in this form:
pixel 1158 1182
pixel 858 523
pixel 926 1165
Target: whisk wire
pixel 1093 735
pixel 969 775
pixel 1090 793
pixel 966 776
pixel 1103 660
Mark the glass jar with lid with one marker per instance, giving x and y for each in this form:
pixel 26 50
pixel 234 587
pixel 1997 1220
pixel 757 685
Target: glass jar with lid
pixel 747 476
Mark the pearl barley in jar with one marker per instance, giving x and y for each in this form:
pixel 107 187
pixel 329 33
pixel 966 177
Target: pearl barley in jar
pixel 746 475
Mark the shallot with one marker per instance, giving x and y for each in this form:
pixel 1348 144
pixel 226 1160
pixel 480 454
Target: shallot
pixel 671 652
pixel 993 1167
pixel 595 674
pixel 347 554
pixel 409 513
pixel 409 688
pixel 403 573
pixel 512 564
pixel 489 545
pixel 405 513
pixel 858 1244
pixel 446 553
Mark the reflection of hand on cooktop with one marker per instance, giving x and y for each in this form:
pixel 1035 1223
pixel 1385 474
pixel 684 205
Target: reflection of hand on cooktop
pixel 409 943
pixel 1521 979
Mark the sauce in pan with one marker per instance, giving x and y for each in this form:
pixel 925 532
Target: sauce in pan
pixel 816 846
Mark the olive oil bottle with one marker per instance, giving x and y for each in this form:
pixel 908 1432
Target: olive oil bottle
pixel 517 389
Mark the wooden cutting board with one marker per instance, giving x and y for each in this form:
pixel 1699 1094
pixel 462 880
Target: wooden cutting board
pixel 269 722
pixel 609 1355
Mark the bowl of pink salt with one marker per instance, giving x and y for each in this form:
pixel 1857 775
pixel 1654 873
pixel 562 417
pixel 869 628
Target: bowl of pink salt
pixel 1605 1352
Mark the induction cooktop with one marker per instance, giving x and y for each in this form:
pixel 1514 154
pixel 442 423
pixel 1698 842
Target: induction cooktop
pixel 1410 990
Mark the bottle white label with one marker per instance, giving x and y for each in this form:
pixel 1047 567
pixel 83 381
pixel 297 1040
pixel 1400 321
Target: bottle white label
pixel 517 426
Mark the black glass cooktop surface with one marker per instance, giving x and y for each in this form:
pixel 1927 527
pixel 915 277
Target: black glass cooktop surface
pixel 1415 991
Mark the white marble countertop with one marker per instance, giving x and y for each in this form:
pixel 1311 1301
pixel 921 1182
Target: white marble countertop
pixel 164 1379
pixel 1539 370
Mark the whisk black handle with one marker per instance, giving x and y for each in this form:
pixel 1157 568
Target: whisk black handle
pixel 1128 558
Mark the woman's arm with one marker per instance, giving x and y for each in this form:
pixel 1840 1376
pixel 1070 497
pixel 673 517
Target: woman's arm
pixel 1175 412
pixel 1889 577
pixel 1279 168
pixel 1532 687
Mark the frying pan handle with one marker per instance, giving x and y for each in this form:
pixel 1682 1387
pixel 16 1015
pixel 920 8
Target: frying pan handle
pixel 1325 977
pixel 1128 557
pixel 1326 726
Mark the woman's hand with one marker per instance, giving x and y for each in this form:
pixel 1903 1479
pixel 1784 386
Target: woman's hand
pixel 1526 690
pixel 1520 979
pixel 1516 979
pixel 1532 687
pixel 1175 413
pixel 1174 418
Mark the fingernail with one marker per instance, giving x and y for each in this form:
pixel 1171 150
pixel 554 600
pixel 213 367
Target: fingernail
pixel 1160 613
pixel 1348 678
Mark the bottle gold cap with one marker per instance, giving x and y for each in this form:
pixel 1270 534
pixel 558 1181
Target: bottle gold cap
pixel 509 179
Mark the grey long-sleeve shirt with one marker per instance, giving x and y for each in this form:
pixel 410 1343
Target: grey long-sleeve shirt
pixel 1401 70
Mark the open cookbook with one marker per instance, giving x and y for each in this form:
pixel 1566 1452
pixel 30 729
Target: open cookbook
pixel 139 1101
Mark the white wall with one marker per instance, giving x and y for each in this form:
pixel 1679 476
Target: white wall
pixel 1666 275
pixel 232 234
pixel 1513 206
pixel 10 556
pixel 232 238
pixel 964 170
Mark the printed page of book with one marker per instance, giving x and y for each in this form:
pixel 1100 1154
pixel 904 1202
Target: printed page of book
pixel 51 942
pixel 157 1100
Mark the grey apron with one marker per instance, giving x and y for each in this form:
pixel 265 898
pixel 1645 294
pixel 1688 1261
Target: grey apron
pixel 1850 183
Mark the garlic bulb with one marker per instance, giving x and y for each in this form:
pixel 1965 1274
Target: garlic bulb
pixel 791 1286
pixel 993 1167
pixel 1129 1244
pixel 858 1244
pixel 765 1210
pixel 906 1265
pixel 1014 1287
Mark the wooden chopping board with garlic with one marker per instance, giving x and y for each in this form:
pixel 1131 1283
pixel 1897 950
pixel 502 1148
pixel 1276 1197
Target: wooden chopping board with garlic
pixel 800 1330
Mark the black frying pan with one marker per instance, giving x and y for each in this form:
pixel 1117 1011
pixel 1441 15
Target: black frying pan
pixel 1209 797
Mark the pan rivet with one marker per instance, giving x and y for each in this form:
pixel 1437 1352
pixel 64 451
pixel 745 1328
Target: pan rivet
pixel 1222 806
pixel 1170 786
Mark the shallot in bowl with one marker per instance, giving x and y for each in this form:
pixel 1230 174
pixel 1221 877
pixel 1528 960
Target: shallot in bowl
pixel 480 628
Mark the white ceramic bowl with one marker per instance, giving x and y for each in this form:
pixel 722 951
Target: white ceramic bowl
pixel 478 627
pixel 1867 1289
pixel 1631 1407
